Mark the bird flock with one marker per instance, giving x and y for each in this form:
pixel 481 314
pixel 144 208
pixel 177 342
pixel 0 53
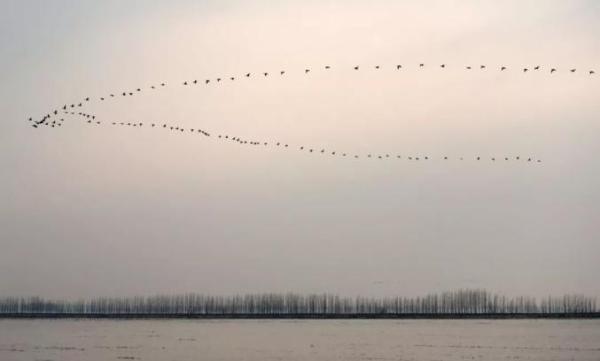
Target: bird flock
pixel 55 118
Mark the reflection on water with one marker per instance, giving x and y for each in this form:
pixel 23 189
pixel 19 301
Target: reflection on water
pixel 96 340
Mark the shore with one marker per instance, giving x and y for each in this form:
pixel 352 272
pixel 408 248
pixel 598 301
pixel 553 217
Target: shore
pixel 409 316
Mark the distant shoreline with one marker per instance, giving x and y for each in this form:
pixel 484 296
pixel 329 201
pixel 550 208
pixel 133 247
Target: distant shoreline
pixel 133 316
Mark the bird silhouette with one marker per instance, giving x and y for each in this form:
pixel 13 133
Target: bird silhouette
pixel 247 75
pixel 356 67
pixel 525 70
pixel 573 70
pixel 306 71
pixel 327 67
pixel 537 67
pixel 468 67
pixel 443 66
pixel 398 66
pixel 503 68
pixel 552 70
pixel 282 72
pixel 592 72
pixel 421 65
pixel 207 81
pixel 482 67
pixel 265 74
pixel 376 66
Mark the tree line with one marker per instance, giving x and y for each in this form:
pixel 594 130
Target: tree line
pixel 459 302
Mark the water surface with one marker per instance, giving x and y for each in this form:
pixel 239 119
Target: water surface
pixel 261 340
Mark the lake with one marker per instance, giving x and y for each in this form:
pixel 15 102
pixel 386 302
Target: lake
pixel 95 340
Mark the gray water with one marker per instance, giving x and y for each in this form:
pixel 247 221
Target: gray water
pixel 95 340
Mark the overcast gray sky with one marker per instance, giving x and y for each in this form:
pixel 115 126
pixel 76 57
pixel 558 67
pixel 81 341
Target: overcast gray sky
pixel 88 211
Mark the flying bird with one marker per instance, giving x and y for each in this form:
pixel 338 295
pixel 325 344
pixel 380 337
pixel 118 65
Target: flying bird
pixel 398 66
pixel 356 67
pixel 503 68
pixel 552 70
pixel 306 71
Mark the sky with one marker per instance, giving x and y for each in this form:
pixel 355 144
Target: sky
pixel 118 211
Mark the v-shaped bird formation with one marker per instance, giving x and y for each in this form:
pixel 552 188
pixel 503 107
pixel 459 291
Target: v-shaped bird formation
pixel 53 118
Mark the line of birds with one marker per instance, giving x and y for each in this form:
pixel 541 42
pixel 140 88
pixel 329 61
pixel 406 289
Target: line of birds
pixel 91 119
pixel 80 104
